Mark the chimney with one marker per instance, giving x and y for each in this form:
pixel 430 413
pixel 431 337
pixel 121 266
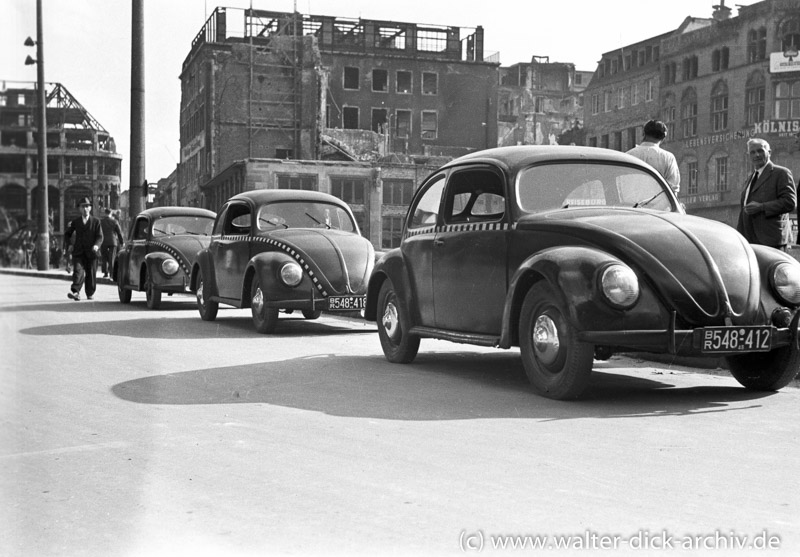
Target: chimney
pixel 721 11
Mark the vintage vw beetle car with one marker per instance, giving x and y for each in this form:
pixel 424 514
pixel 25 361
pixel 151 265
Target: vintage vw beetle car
pixel 160 251
pixel 284 250
pixel 576 252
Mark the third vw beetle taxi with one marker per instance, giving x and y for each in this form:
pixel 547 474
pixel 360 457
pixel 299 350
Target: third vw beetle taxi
pixel 573 253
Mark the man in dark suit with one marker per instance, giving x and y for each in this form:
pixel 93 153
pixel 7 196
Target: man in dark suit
pixel 83 239
pixel 768 198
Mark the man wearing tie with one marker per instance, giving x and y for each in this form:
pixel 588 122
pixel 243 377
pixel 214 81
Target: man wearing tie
pixel 768 198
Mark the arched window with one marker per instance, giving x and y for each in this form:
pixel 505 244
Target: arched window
pixel 757 44
pixel 689 113
pixel 689 175
pixel 755 98
pixel 719 107
pixel 790 34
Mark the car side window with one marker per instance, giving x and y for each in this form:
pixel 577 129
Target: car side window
pixel 426 210
pixel 474 195
pixel 237 220
pixel 140 229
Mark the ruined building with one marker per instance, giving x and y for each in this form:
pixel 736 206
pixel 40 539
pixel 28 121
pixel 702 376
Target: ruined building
pixel 362 109
pixel 81 155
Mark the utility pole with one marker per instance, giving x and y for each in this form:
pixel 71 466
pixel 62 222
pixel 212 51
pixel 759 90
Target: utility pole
pixel 43 222
pixel 137 185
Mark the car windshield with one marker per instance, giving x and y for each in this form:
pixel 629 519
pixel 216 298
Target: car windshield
pixel 174 225
pixel 303 214
pixel 579 184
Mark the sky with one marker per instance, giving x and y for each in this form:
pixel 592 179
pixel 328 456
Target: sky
pixel 87 45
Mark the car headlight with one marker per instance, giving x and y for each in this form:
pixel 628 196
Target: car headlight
pixel 291 274
pixel 169 267
pixel 619 286
pixel 786 282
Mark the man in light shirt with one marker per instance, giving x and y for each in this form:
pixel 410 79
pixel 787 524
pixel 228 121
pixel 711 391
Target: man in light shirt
pixel 650 151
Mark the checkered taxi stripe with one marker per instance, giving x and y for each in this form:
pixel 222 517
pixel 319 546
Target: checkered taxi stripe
pixel 466 227
pixel 287 249
pixel 174 253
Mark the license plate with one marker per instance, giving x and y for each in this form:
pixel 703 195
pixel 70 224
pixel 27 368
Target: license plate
pixel 734 339
pixel 346 303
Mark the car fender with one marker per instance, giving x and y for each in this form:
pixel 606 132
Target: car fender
pixel 570 270
pixel 118 270
pixel 767 258
pixel 203 263
pixel 266 265
pixel 390 266
pixel 153 261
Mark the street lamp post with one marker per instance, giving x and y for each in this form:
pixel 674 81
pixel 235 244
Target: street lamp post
pixel 43 222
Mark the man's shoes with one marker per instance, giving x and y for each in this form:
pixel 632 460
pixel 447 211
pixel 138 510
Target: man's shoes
pixel 105 275
pixel 75 296
pixel 89 297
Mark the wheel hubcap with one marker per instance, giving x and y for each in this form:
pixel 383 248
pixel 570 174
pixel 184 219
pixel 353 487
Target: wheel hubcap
pixel 545 339
pixel 258 301
pixel 391 322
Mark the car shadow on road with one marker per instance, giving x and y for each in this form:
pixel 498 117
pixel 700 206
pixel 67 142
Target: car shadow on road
pixel 192 329
pixel 89 306
pixel 437 386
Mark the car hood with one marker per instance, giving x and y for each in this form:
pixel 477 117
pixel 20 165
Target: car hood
pixel 341 261
pixel 183 247
pixel 702 268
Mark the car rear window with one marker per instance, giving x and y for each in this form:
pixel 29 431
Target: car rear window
pixel 563 185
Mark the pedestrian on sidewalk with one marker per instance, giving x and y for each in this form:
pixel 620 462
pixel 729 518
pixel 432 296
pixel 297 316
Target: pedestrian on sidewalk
pixel 112 237
pixel 83 239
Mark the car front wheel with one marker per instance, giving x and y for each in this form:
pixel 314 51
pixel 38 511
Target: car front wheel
pixel 123 293
pixel 312 314
pixel 265 318
pixel 557 365
pixel 152 293
pixel 207 308
pixel 399 345
pixel 766 371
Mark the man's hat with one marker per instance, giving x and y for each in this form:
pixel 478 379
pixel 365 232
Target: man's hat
pixel 108 211
pixel 84 201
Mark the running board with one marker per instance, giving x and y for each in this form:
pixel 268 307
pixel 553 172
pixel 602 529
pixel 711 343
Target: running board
pixel 455 336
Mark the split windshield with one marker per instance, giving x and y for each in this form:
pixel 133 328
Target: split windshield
pixel 303 214
pixel 174 225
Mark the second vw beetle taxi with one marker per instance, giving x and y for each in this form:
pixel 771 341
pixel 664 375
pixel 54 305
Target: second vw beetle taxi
pixel 160 252
pixel 284 250
pixel 573 253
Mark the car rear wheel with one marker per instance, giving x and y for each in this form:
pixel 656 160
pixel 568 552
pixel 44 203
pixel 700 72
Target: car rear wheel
pixel 309 314
pixel 399 346
pixel 152 293
pixel 207 308
pixel 265 318
pixel 766 371
pixel 123 293
pixel 557 365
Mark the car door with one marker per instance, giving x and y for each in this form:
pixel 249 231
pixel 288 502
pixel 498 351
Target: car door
pixel 417 245
pixel 470 277
pixel 141 232
pixel 230 252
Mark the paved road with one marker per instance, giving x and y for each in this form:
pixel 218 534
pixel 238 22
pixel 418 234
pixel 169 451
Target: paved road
pixel 128 432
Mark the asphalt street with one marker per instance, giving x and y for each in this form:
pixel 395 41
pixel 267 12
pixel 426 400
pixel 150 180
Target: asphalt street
pixel 130 432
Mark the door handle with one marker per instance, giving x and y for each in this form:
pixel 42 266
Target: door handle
pixel 438 242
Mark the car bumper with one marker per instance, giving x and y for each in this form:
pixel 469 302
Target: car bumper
pixel 683 342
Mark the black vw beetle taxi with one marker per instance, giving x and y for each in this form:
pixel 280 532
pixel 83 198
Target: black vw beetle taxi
pixel 573 253
pixel 160 251
pixel 283 250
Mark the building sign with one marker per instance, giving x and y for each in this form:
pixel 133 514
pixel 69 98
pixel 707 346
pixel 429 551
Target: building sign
pixel 718 138
pixel 193 147
pixel 777 127
pixel 707 198
pixel 780 62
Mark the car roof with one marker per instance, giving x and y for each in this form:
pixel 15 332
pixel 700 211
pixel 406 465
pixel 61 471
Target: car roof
pixel 265 196
pixel 519 156
pixel 160 212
